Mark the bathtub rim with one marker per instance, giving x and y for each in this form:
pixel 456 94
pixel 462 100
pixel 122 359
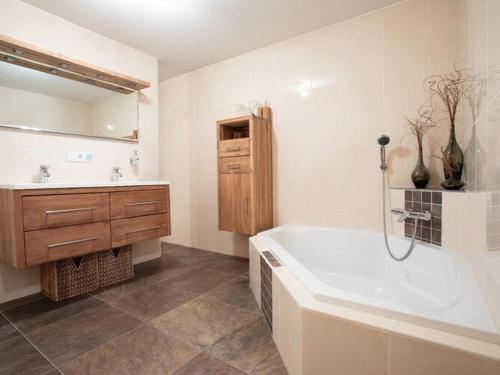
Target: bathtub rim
pixel 307 302
pixel 321 291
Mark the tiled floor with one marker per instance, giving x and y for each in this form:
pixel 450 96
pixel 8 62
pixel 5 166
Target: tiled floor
pixel 189 312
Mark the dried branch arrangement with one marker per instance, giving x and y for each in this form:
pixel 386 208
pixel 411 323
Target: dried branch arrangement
pixel 419 126
pixel 449 88
pixel 422 123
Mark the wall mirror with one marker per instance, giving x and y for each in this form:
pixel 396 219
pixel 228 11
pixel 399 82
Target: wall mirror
pixel 45 92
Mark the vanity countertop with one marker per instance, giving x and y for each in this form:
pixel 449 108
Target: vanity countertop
pixel 69 185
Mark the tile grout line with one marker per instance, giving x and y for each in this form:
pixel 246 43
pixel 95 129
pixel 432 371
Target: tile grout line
pixel 104 343
pixel 198 296
pixel 154 283
pixel 221 338
pixel 31 343
pixel 141 321
pixel 212 357
pixel 202 350
pixel 148 323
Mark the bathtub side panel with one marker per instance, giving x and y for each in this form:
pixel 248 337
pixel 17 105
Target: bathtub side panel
pixel 287 326
pixel 334 346
pixel 415 357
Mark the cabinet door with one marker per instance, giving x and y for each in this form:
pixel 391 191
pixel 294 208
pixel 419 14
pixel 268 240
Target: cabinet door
pixel 234 203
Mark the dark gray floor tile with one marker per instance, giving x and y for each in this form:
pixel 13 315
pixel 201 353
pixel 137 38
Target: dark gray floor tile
pixel 54 371
pixel 203 321
pixel 18 356
pixel 236 293
pixel 7 330
pixel 45 311
pixel 204 364
pixel 77 334
pixel 168 246
pixel 153 301
pixel 188 254
pixel 123 288
pixel 197 296
pixel 250 349
pixel 225 263
pixel 143 350
pixel 164 269
pixel 200 280
pixel 21 301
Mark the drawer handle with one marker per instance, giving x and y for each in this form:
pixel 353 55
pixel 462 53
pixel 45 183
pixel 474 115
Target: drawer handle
pixel 144 229
pixel 142 203
pixel 234 166
pixel 233 148
pixel 73 242
pixel 70 210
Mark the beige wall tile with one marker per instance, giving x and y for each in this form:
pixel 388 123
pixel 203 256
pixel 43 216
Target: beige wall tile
pixel 406 36
pixel 332 346
pixel 412 357
pixel 396 199
pixel 333 92
pixel 31 150
pixel 443 31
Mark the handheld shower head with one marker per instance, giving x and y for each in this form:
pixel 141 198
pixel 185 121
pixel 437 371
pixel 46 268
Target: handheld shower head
pixel 383 140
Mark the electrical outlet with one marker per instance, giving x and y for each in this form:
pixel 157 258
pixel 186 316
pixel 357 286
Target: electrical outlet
pixel 80 157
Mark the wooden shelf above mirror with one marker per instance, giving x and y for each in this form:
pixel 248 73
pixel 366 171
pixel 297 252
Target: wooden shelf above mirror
pixel 20 53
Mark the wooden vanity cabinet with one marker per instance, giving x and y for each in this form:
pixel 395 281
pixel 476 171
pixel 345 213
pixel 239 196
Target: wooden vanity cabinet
pixel 44 225
pixel 244 158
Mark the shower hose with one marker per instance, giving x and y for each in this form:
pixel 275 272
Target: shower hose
pixel 415 221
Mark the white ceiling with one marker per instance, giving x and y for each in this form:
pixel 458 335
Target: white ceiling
pixel 188 34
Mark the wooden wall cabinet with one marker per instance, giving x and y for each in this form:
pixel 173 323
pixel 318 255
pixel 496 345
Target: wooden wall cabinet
pixel 244 155
pixel 43 225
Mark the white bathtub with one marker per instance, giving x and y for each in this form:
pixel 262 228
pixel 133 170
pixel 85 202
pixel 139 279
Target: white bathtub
pixel 433 287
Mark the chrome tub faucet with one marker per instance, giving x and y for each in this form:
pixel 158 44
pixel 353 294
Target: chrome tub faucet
pixel 405 214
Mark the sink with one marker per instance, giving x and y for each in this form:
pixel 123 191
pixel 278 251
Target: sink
pixel 64 185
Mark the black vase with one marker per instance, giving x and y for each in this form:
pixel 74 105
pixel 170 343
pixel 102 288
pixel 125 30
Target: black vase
pixel 454 158
pixel 420 175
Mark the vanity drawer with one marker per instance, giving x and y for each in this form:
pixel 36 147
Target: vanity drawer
pixel 139 203
pixel 234 147
pixel 127 231
pixel 240 164
pixel 51 244
pixel 51 211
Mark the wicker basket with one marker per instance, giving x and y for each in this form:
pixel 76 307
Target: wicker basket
pixel 115 265
pixel 70 277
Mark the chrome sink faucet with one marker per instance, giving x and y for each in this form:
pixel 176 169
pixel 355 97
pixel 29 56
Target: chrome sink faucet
pixel 44 173
pixel 116 173
pixel 405 214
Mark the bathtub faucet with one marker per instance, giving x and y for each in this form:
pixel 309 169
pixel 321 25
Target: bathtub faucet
pixel 405 214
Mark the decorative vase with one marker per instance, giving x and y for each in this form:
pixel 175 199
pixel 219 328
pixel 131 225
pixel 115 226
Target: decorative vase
pixel 420 175
pixel 454 158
